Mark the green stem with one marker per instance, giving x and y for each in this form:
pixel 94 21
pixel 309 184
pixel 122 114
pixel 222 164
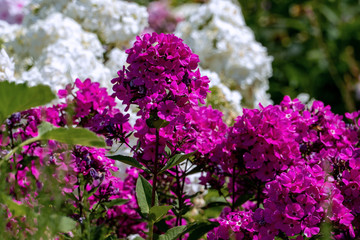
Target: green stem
pixel 153 194
pixel 233 190
pixel 151 230
pixel 155 169
pixel 26 142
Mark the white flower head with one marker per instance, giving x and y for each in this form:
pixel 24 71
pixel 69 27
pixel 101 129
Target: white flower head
pixel 6 67
pixel 64 61
pixel 225 45
pixel 8 31
pixel 114 21
pixel 47 31
pixel 116 61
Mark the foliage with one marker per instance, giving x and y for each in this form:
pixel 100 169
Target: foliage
pixel 315 48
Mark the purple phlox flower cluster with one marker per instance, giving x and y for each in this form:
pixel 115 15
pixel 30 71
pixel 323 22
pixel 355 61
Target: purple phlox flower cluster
pixel 98 172
pixel 243 225
pixel 205 126
pixel 125 217
pixel 161 78
pixel 296 202
pixel 89 98
pixel 260 144
pixel 90 165
pixel 314 159
pixel 95 109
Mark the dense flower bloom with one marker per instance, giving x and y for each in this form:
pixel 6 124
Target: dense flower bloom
pixel 307 159
pixel 80 169
pixel 163 81
pixel 161 68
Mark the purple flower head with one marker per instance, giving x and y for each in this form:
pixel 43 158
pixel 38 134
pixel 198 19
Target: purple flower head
pixel 161 69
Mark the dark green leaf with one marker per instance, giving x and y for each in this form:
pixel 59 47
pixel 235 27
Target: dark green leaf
pixel 216 204
pixel 130 161
pixel 157 212
pixel 194 170
pixel 199 229
pixel 115 202
pixel 144 194
pixel 71 196
pixel 80 136
pixel 168 150
pixel 97 232
pixel 160 123
pixel 19 97
pixel 242 199
pixel 175 160
pixel 173 233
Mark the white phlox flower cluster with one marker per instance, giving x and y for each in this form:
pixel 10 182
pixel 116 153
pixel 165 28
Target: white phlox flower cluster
pixel 56 27
pixel 116 60
pixel 60 41
pixel 66 60
pixel 218 34
pixel 115 22
pixel 232 96
pixel 6 67
pixel 59 51
pixel 54 47
pixel 8 31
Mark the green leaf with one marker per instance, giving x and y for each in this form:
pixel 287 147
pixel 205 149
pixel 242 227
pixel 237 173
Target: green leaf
pixel 115 202
pixel 242 199
pixel 72 196
pixel 199 229
pixel 175 160
pixel 130 161
pixel 97 232
pixel 157 212
pixel 19 97
pixel 16 208
pixel 138 238
pixel 66 224
pixel 160 123
pixel 80 136
pixel 45 127
pixel 47 131
pixel 168 150
pixel 216 204
pixel 144 194
pixel 173 233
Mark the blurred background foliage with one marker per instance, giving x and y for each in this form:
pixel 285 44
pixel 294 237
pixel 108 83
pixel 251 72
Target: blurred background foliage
pixel 315 45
